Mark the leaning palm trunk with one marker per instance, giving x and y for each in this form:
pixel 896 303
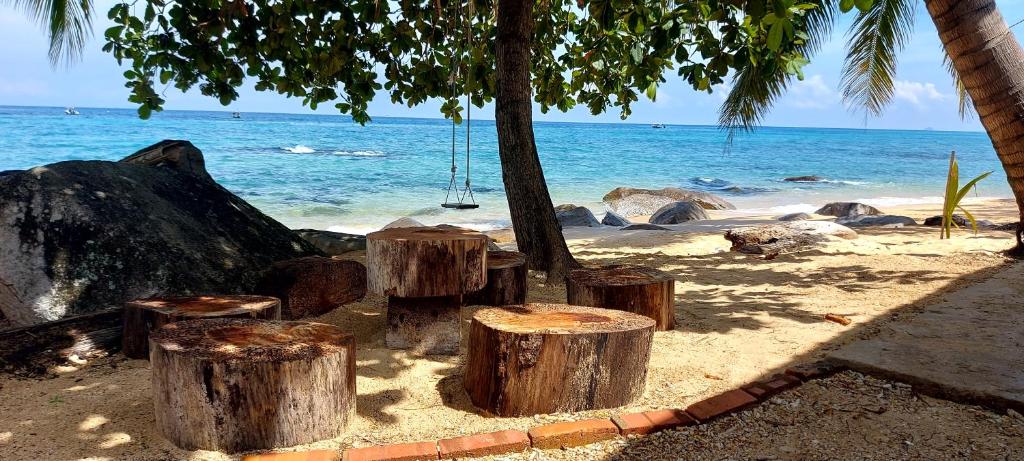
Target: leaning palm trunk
pixel 990 62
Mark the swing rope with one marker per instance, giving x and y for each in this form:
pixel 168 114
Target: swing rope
pixel 456 74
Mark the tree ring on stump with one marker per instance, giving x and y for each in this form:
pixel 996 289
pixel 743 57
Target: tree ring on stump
pixel 506 280
pixel 638 289
pixel 551 358
pixel 236 385
pixel 420 262
pixel 143 316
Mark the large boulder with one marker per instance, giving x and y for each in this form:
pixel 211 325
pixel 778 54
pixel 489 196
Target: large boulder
pixel 891 221
pixel 679 212
pixel 80 236
pixel 630 202
pixel 575 216
pixel 612 218
pixel 848 209
pixel 773 239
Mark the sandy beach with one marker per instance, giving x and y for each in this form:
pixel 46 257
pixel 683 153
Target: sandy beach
pixel 739 317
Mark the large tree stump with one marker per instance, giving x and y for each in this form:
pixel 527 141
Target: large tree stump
pixel 143 316
pixel 548 358
pixel 313 285
pixel 424 271
pixel 506 280
pixel 636 289
pixel 235 385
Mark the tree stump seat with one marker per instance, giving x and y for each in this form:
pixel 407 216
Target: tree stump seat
pixel 636 289
pixel 548 358
pixel 313 285
pixel 237 385
pixel 143 316
pixel 506 280
pixel 424 272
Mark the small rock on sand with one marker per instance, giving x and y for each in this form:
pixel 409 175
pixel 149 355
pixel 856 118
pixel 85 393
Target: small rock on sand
pixel 774 239
pixel 847 209
pixel 575 216
pixel 679 212
pixel 890 221
pixel 612 218
pixel 644 227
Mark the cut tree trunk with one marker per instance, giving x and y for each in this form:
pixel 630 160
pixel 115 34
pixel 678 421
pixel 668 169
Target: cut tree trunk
pixel 551 358
pixel 425 325
pixel 143 316
pixel 30 350
pixel 506 280
pixel 313 285
pixel 236 385
pixel 538 233
pixel 990 63
pixel 637 289
pixel 420 262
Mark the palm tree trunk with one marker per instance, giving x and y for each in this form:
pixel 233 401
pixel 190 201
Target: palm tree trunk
pixel 990 62
pixel 533 216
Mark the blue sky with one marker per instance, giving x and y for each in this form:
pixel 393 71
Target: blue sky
pixel 924 93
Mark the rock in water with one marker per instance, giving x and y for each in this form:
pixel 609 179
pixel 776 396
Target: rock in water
pixel 333 243
pixel 80 236
pixel 612 218
pixel 847 209
pixel 804 179
pixel 774 239
pixel 679 212
pixel 877 221
pixel 629 202
pixel 795 217
pixel 575 216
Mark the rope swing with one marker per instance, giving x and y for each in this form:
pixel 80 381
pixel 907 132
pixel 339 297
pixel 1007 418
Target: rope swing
pixel 455 198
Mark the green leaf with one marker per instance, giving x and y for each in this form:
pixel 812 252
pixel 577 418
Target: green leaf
pixel 775 36
pixel 846 5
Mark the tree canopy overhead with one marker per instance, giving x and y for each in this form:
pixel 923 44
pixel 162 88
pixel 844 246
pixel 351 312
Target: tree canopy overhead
pixel 598 53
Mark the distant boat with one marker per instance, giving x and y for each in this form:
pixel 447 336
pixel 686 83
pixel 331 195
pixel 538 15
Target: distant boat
pixel 71 111
pixel 658 125
pixel 236 115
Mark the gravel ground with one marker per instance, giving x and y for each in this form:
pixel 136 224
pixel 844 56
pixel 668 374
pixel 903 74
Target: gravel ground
pixel 846 417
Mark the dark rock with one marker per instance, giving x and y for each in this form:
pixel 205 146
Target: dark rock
pixel 333 243
pixel 644 227
pixel 795 217
pixel 575 216
pixel 313 285
pixel 403 222
pixel 629 202
pixel 847 209
pixel 804 179
pixel 936 221
pixel 10 173
pixel 80 236
pixel 775 239
pixel 891 221
pixel 178 155
pixel 679 212
pixel 612 218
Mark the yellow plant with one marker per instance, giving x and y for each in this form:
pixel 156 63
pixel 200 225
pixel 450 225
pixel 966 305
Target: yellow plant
pixel 955 194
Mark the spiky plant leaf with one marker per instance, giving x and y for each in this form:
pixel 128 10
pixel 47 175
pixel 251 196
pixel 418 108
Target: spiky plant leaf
pixel 964 99
pixel 876 38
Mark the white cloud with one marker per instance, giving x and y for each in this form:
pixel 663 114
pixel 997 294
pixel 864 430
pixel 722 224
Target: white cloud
pixel 917 93
pixel 21 88
pixel 812 93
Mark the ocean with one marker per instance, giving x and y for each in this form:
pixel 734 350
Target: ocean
pixel 326 172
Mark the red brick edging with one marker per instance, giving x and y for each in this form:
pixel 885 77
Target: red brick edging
pixel 572 433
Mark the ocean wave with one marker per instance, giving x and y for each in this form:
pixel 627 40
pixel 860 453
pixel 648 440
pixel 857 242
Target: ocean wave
pixel 299 149
pixel 359 153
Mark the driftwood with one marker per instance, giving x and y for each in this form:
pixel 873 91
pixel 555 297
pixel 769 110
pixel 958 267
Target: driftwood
pixel 506 280
pixel 236 385
pixel 548 358
pixel 637 289
pixel 143 316
pixel 30 350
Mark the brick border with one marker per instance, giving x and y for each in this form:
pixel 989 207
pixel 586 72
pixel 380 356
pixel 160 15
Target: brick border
pixel 576 433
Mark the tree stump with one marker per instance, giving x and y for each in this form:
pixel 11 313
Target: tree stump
pixel 236 385
pixel 636 289
pixel 313 285
pixel 424 271
pixel 506 280
pixel 143 316
pixel 549 358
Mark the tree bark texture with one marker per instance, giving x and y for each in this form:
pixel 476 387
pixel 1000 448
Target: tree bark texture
pixel 990 63
pixel 236 385
pixel 144 316
pixel 420 262
pixel 426 326
pixel 637 289
pixel 538 233
pixel 506 280
pixel 313 285
pixel 550 358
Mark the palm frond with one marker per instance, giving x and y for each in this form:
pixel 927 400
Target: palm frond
pixel 965 107
pixel 755 88
pixel 876 38
pixel 68 23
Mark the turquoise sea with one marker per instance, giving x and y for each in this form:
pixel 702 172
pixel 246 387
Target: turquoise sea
pixel 324 171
